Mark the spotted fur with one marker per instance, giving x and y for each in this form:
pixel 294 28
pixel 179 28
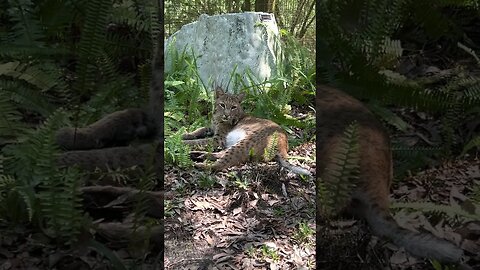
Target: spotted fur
pixel 248 136
pixel 335 111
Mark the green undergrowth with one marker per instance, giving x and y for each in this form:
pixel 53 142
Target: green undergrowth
pixel 362 46
pixel 189 102
pixel 66 63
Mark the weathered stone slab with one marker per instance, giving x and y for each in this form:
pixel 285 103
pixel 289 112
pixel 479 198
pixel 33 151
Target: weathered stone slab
pixel 227 43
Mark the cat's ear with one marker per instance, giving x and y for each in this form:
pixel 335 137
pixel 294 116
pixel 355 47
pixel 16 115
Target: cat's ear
pixel 241 96
pixel 219 91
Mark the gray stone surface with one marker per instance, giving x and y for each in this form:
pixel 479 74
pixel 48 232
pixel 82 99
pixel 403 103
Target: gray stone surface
pixel 229 42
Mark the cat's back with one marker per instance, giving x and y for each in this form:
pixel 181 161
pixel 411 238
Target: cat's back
pixel 253 124
pixel 336 111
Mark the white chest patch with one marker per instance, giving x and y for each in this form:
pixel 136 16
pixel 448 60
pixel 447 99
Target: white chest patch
pixel 234 136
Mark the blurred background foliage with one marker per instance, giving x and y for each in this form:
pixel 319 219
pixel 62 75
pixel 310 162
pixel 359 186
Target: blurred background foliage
pixel 415 65
pixel 296 17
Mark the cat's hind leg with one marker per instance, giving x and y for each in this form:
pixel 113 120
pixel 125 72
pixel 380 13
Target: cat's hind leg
pixel 115 129
pixel 111 158
pixel 233 156
pixel 202 132
pixel 204 155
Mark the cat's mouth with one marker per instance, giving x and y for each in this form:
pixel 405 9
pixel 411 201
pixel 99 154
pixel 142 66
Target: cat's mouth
pixel 228 120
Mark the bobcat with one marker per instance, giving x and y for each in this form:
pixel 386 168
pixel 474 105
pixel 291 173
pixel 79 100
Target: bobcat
pixel 118 129
pixel 241 137
pixel 335 111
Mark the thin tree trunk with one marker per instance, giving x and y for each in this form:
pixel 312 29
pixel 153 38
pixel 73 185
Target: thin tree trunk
pixel 297 16
pixel 247 5
pixel 306 23
pixel 264 5
pixel 280 23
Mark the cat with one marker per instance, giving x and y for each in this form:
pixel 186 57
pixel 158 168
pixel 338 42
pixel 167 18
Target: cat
pixel 337 110
pixel 240 137
pixel 105 143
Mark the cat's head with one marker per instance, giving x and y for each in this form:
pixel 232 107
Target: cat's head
pixel 228 108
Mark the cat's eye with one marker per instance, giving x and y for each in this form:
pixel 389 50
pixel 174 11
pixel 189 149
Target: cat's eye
pixel 222 105
pixel 234 107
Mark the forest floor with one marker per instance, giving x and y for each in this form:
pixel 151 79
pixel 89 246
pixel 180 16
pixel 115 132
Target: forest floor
pixel 347 244
pixel 228 227
pixel 255 216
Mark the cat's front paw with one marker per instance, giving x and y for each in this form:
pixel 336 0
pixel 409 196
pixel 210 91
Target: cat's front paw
pixel 201 166
pixel 197 155
pixel 188 136
pixel 76 139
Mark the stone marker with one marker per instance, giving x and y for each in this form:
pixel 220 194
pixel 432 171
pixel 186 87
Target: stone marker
pixel 234 42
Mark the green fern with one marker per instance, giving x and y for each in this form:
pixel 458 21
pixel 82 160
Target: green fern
pixel 476 193
pixel 91 44
pixel 125 13
pixel 50 194
pixel 412 158
pixel 26 30
pixel 341 173
pixel 473 143
pixel 31 87
pixel 272 147
pixel 325 200
pixel 388 116
pixel 176 151
pixel 148 180
pixel 449 211
pixel 10 124
pixel 59 197
pixel 12 207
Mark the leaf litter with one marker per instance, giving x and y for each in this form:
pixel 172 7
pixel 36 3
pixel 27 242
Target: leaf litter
pixel 242 220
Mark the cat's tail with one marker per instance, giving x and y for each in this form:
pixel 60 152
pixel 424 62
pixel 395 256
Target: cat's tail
pixel 423 245
pixel 290 167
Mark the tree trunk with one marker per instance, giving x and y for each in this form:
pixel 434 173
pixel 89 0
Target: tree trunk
pixel 265 5
pixel 247 5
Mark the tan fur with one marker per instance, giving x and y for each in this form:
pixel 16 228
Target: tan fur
pixel 335 111
pixel 119 127
pixel 229 116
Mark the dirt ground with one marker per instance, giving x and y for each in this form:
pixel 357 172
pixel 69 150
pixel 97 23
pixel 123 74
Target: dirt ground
pixel 252 217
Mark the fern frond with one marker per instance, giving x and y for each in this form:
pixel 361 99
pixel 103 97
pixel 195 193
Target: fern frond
pixel 142 204
pixel 469 51
pixel 474 142
pixel 452 117
pixel 91 44
pixel 27 28
pixel 272 147
pixel 177 152
pixel 127 14
pixel 58 198
pixel 145 73
pixel 31 74
pixel 10 119
pixel 389 117
pixel 325 199
pixel 9 51
pixel 34 87
pixel 342 172
pixel 447 210
pixel 411 158
pixel 156 27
